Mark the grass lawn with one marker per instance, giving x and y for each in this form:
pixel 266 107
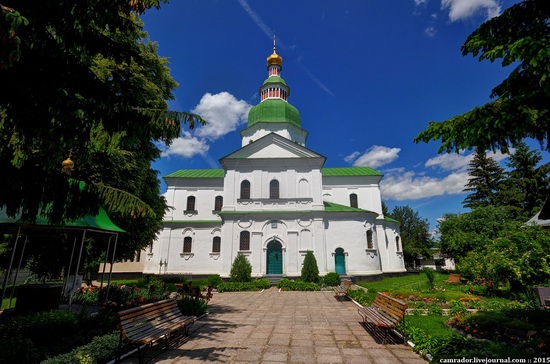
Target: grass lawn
pixel 436 326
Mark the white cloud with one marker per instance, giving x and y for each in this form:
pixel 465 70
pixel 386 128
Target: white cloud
pixel 463 9
pixel 223 113
pixel 375 156
pixel 430 31
pixel 420 2
pixel 409 186
pixel 186 147
pixel 460 162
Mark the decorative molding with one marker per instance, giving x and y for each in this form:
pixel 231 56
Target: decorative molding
pixel 190 212
pixel 371 252
pixel 215 256
pixel 304 223
pixel 187 256
pixel 245 252
pixel 244 224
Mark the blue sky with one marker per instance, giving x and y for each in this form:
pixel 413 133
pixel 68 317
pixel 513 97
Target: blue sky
pixel 367 76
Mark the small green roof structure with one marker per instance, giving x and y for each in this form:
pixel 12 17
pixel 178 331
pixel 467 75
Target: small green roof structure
pixel 274 111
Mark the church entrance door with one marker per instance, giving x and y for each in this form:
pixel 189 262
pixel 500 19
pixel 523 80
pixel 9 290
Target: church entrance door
pixel 340 261
pixel 274 258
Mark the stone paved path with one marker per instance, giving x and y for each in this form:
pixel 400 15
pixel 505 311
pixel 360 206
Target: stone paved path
pixel 275 327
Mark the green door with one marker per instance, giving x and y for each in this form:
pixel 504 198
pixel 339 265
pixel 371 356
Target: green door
pixel 339 261
pixel 274 258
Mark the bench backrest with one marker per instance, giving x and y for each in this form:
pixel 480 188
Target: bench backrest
pixel 137 320
pixel 346 284
pixel 455 278
pixel 544 294
pixel 391 306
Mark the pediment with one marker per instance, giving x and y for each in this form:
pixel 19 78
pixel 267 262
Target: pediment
pixel 273 146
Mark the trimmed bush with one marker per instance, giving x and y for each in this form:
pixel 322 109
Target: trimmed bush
pixel 332 279
pixel 100 350
pixel 190 306
pixel 310 271
pixel 288 285
pixel 241 269
pixel 214 280
pixel 262 283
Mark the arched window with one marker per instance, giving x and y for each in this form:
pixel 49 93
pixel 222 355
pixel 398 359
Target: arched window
pixel 244 241
pixel 274 189
pixel 370 244
pixel 190 203
pixel 216 244
pixel 218 203
pixel 353 200
pixel 187 244
pixel 397 243
pixel 245 189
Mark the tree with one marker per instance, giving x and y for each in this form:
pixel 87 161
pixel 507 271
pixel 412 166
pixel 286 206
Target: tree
pixel 415 233
pixel 485 178
pixel 463 233
pixel 86 82
pixel 241 269
pixel 310 271
pixel 526 185
pixel 520 37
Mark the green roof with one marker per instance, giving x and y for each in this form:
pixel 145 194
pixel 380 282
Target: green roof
pixel 350 171
pixel 274 111
pixel 391 220
pixel 274 79
pixel 334 207
pixel 197 173
pixel 194 221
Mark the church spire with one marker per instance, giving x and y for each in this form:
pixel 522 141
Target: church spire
pixel 274 87
pixel 274 61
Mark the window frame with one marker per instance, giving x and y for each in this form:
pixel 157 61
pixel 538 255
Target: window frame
pixel 353 201
pixel 244 240
pixel 274 190
pixel 245 190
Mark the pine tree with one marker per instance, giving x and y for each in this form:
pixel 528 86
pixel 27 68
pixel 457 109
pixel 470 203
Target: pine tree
pixel 310 271
pixel 485 177
pixel 526 185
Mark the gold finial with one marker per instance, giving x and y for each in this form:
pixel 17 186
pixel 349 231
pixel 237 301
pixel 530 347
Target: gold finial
pixel 274 58
pixel 67 165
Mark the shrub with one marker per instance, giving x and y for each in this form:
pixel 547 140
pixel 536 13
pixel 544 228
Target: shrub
pixel 331 279
pixel 241 269
pixel 100 350
pixel 429 272
pixel 310 271
pixel 256 285
pixel 288 285
pixel 214 280
pixel 190 306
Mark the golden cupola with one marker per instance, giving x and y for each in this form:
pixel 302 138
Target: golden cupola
pixel 274 58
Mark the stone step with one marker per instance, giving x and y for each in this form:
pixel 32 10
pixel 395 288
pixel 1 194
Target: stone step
pixel 274 278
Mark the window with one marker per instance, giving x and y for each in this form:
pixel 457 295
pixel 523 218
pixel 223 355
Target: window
pixel 187 242
pixel 397 243
pixel 274 189
pixel 216 244
pixel 370 244
pixel 218 203
pixel 353 200
pixel 190 203
pixel 245 190
pixel 245 241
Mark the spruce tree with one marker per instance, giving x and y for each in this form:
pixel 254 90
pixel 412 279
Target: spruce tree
pixel 241 269
pixel 310 271
pixel 485 178
pixel 527 185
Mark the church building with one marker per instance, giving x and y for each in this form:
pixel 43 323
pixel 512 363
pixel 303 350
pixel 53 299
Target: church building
pixel 272 201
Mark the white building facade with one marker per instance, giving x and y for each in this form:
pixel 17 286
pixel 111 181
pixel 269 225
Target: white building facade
pixel 272 201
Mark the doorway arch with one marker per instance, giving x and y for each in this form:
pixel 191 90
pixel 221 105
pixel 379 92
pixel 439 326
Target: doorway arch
pixel 339 261
pixel 274 258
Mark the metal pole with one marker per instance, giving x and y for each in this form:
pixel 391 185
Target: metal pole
pixel 105 264
pixel 111 269
pixel 6 278
pixel 70 266
pixel 76 270
pixel 18 268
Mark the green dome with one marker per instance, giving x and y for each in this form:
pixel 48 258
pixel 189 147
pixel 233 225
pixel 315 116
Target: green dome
pixel 274 79
pixel 274 111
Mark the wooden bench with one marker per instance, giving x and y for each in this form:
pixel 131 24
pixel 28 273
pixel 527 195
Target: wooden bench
pixel 453 278
pixel 544 296
pixel 385 312
pixel 342 290
pixel 142 326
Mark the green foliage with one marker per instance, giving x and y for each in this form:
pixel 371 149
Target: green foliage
pixel 259 284
pixel 332 279
pixel 100 350
pixel 462 233
pixel 519 36
pixel 520 258
pixel 483 184
pixel 241 269
pixel 190 306
pixel 310 270
pixel 414 232
pixel 214 280
pixel 290 285
pixel 429 272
